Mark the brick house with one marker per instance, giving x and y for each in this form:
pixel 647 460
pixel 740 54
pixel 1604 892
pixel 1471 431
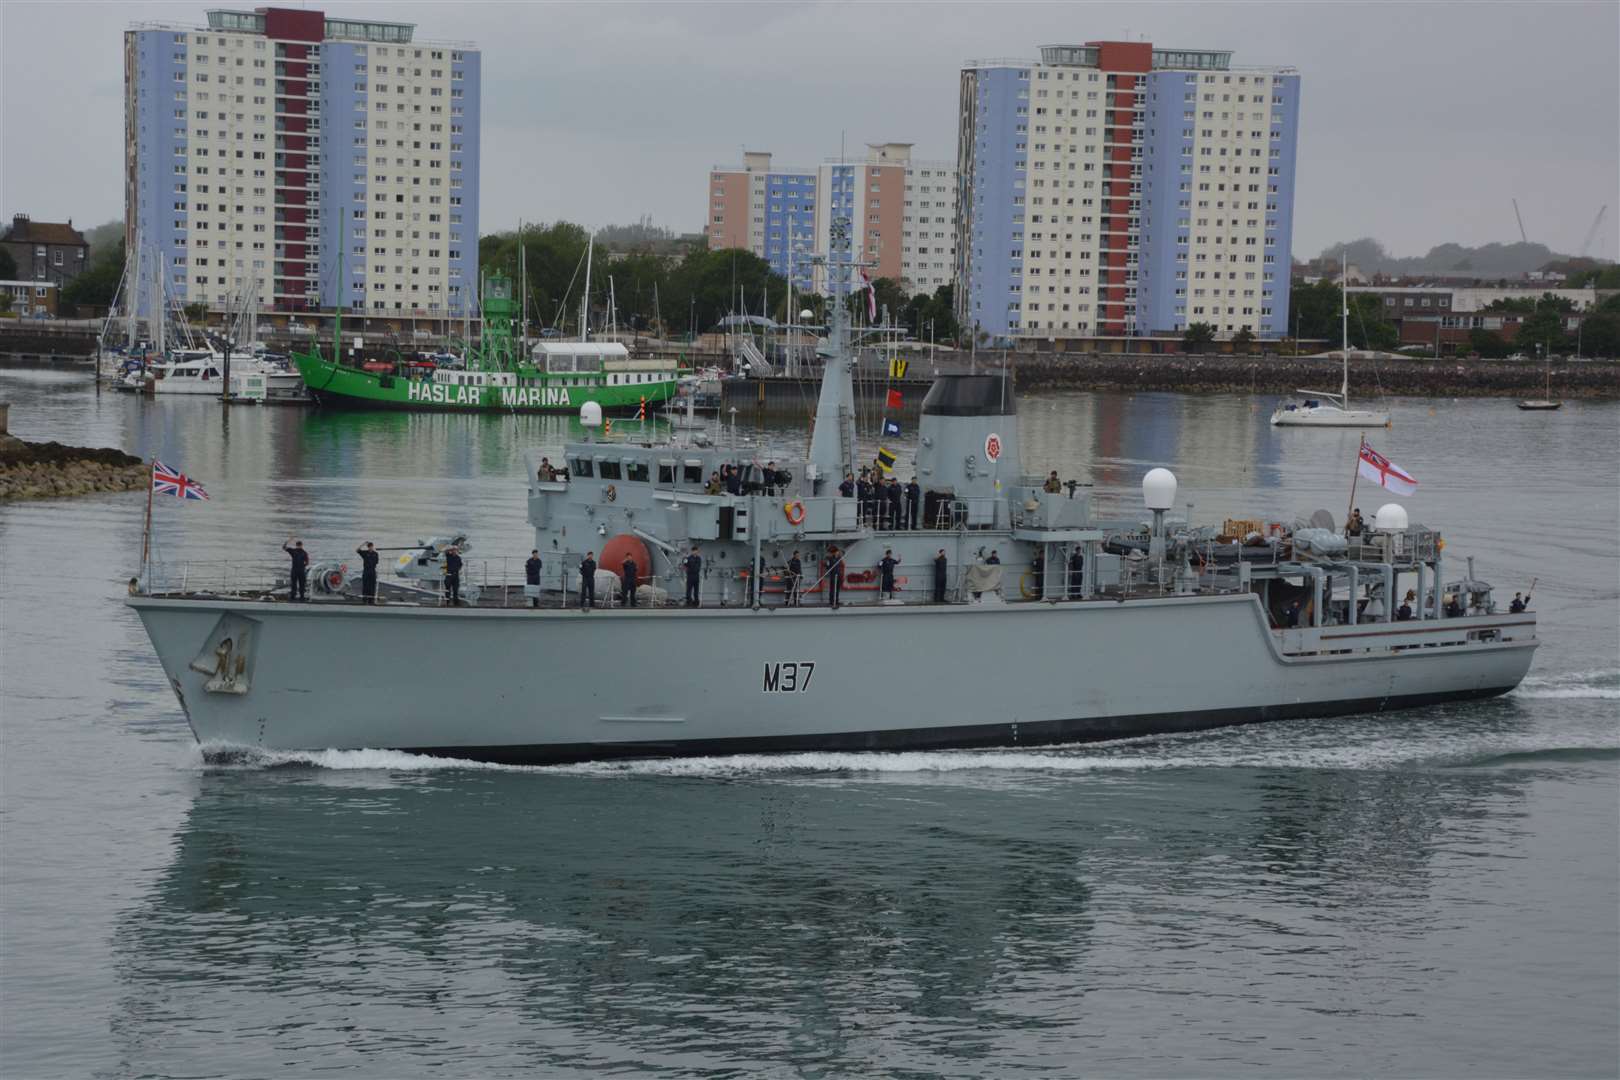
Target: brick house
pixel 30 298
pixel 46 250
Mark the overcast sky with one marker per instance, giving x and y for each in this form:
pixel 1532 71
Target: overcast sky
pixel 1420 121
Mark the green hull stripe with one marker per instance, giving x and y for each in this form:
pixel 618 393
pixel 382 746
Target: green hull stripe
pixel 335 384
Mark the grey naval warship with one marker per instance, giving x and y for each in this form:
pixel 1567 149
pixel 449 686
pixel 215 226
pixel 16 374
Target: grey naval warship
pixel 1052 624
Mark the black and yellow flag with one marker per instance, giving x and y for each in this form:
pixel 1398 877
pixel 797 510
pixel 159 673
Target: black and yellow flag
pixel 897 368
pixel 886 459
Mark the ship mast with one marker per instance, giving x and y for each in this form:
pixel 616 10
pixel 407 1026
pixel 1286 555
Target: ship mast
pixel 832 440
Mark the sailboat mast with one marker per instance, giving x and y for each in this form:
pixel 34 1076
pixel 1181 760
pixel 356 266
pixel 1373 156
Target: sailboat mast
pixel 337 322
pixel 1344 329
pixel 132 291
pixel 523 284
pixel 585 296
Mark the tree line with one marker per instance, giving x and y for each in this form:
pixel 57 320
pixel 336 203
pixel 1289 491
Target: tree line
pixel 650 286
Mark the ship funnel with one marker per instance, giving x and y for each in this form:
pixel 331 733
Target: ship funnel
pixel 968 437
pixel 1159 489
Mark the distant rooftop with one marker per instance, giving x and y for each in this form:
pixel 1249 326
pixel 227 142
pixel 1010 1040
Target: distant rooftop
pixel 1088 56
pixel 27 231
pixel 393 33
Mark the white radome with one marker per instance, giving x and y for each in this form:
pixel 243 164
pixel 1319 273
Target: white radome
pixel 1159 489
pixel 1391 517
pixel 590 414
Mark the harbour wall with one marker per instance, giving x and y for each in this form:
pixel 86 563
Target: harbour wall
pixel 1271 375
pixel 1285 375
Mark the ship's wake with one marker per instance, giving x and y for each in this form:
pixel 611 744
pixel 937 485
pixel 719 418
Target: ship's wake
pixel 1601 684
pixel 1405 741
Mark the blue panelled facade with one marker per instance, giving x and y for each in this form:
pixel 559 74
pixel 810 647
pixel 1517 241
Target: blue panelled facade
pixel 343 174
pixel 790 224
pixel 1167 182
pixel 1280 203
pixel 156 196
pixel 993 152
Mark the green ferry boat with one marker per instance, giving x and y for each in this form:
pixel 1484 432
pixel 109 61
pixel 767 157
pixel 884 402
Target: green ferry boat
pixel 558 376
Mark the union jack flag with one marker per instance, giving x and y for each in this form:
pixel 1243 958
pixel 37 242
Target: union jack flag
pixel 166 481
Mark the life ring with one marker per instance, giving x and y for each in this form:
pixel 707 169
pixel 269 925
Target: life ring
pixel 795 512
pixel 610 493
pixel 334 579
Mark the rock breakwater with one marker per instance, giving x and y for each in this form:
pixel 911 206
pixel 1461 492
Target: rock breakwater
pixel 51 470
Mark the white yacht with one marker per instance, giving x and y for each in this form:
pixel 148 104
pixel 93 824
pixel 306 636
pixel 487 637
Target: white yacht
pixel 1324 408
pixel 200 372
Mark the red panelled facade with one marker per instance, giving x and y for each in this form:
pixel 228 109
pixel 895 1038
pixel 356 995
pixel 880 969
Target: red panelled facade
pixel 1125 65
pixel 297 36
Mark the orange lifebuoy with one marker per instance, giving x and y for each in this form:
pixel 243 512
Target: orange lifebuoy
pixel 795 512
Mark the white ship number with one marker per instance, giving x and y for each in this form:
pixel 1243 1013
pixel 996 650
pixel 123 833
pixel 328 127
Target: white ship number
pixel 789 676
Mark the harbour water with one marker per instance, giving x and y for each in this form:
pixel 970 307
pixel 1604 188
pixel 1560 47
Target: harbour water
pixel 1429 893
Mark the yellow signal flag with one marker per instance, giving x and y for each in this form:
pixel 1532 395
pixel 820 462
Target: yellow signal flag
pixel 897 368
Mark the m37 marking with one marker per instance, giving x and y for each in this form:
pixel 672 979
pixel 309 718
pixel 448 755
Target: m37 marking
pixel 788 676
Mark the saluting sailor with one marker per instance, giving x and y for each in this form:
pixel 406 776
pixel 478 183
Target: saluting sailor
pixel 368 575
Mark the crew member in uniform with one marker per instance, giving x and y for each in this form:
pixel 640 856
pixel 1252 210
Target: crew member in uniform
pixel 835 575
pixel 694 577
pixel 368 573
pixel 913 503
pixel 1053 485
pixel 863 493
pixel 940 566
pixel 452 576
pixel 1077 572
pixel 886 573
pixel 795 572
pixel 896 518
pixel 847 487
pixel 587 581
pixel 300 568
pixel 628 575
pixel 531 576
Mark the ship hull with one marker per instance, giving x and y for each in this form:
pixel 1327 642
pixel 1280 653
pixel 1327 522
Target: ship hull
pixel 1329 418
pixel 337 386
pixel 549 686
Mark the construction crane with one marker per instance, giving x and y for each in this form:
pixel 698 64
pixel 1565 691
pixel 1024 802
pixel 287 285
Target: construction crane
pixel 1520 219
pixel 1591 234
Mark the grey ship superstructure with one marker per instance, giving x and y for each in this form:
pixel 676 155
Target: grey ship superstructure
pixel 1164 628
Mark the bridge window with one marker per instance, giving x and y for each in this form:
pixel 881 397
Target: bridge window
pixel 582 467
pixel 636 470
pixel 610 470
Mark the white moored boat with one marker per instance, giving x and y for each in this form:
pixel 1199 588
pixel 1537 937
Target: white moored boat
pixel 1335 410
